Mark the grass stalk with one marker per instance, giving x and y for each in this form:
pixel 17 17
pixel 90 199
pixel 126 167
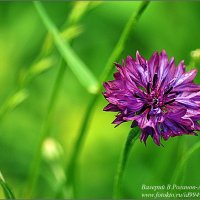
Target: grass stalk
pixel 132 137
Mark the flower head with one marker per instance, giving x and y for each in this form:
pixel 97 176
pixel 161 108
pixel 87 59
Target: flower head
pixel 156 95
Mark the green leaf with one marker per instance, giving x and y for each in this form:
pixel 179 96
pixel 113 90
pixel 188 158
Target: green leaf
pixel 77 66
pixel 6 189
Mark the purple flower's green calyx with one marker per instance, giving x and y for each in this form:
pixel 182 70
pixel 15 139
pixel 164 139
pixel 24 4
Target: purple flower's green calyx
pixel 156 95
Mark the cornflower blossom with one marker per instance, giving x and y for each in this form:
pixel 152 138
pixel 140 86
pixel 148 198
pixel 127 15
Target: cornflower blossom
pixel 156 95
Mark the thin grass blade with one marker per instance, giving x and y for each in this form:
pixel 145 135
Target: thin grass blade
pixel 77 66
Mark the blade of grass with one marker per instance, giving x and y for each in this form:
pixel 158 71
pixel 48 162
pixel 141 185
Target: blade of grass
pixel 71 168
pixel 6 189
pixel 67 34
pixel 71 25
pixel 77 66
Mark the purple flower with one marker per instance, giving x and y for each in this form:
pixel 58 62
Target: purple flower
pixel 156 95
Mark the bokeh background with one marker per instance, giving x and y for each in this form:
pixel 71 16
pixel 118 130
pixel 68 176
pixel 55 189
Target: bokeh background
pixel 173 26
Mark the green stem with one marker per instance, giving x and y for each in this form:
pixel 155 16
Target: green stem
pixel 35 168
pixel 71 169
pixel 133 135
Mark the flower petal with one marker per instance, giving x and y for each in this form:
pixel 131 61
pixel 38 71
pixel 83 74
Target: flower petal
pixel 186 77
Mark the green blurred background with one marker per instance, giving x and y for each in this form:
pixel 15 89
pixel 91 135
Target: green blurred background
pixel 173 26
